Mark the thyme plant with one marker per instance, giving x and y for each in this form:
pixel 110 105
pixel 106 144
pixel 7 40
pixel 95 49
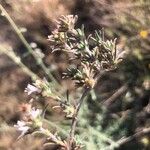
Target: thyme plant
pixel 92 56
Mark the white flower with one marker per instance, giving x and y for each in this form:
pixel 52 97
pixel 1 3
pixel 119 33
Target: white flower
pixel 21 126
pixel 31 89
pixel 33 122
pixel 35 113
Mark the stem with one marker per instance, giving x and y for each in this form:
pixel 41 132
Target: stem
pixel 60 129
pixel 26 44
pixel 117 94
pixel 129 138
pixel 18 61
pixel 51 137
pixel 136 135
pixel 74 121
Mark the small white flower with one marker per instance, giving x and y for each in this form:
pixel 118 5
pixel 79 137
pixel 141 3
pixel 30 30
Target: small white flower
pixel 34 113
pixel 31 89
pixel 32 123
pixel 21 126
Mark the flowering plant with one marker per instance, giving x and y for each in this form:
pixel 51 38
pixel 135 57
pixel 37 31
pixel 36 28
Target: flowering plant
pixel 94 56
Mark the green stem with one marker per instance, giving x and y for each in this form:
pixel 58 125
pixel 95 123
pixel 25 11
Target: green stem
pixel 64 132
pixel 18 61
pixel 26 44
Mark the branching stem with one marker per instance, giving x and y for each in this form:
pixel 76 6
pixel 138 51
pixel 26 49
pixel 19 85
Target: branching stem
pixel 75 118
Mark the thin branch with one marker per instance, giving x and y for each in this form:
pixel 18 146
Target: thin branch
pixel 26 70
pixel 74 121
pixel 134 136
pixel 18 61
pixel 26 44
pixel 117 94
pixel 80 102
pixel 128 139
pixel 54 125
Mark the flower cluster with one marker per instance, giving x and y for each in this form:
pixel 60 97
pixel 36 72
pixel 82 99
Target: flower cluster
pixel 94 54
pixel 44 88
pixel 31 120
pixel 83 76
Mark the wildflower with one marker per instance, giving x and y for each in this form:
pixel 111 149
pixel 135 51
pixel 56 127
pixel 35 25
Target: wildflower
pixel 35 113
pixel 144 33
pixel 32 89
pixel 25 107
pixel 32 121
pixel 32 116
pixel 23 127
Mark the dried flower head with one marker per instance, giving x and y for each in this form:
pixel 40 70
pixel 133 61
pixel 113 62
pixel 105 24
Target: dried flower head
pixel 66 23
pixel 83 76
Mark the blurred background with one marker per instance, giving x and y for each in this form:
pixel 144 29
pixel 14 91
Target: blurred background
pixel 120 106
